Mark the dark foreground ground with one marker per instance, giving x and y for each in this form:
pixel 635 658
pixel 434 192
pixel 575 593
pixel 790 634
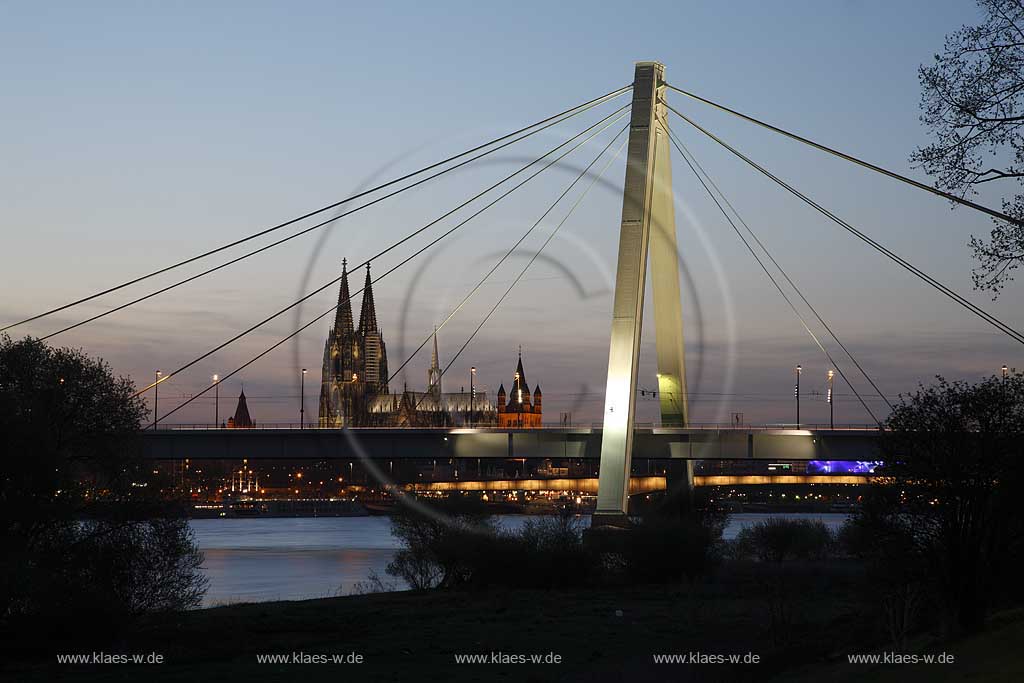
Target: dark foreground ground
pixel 800 628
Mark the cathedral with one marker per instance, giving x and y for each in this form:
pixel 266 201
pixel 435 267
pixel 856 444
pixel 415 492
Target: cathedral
pixel 355 361
pixel 354 389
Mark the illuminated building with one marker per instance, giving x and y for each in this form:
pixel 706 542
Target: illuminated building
pixel 519 412
pixel 354 385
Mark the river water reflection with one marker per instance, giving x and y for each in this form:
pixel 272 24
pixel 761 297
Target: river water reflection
pixel 255 560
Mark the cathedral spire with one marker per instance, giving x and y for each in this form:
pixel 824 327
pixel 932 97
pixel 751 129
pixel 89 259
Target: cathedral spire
pixel 343 318
pixel 434 373
pixel 368 315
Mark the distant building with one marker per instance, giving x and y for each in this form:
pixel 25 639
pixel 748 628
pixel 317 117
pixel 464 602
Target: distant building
pixel 518 412
pixel 355 361
pixel 354 385
pixel 241 418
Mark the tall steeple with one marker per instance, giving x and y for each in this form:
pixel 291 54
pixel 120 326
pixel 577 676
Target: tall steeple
pixel 433 355
pixel 343 318
pixel 520 393
pixel 241 418
pixel 434 374
pixel 368 315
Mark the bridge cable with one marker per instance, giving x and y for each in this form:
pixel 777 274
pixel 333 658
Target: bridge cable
pixel 686 151
pixel 508 253
pixel 567 114
pixel 605 123
pixel 386 273
pixel 860 162
pixel 767 272
pixel 304 231
pixel 932 282
pixel 531 261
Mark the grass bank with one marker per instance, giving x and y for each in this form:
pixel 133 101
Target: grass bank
pixel 800 628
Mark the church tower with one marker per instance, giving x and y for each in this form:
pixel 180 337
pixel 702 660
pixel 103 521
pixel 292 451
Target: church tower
pixel 373 368
pixel 355 360
pixel 519 412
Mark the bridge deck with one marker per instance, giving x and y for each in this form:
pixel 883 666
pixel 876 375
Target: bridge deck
pixel 395 444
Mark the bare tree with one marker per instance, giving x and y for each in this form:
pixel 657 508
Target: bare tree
pixel 972 99
pixel 950 490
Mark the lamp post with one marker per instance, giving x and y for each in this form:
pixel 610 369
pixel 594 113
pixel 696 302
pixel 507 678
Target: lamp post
pixel 302 400
pixel 156 399
pixel 831 404
pixel 796 394
pixel 472 394
pixel 216 401
pixel 1006 373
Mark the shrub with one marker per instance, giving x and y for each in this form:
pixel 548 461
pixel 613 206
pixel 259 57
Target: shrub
pixel 442 542
pixel 897 568
pixel 681 538
pixel 777 539
pixel 445 547
pixel 662 549
pixel 373 584
pixel 549 552
pixel 108 573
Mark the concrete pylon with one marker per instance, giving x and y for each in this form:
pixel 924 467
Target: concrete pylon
pixel 648 222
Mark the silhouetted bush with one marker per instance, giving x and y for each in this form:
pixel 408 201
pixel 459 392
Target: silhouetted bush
pixel 87 542
pixel 778 539
pixel 443 542
pixel 116 570
pixel 897 570
pixel 373 584
pixel 680 538
pixel 445 545
pixel 663 550
pixel 548 552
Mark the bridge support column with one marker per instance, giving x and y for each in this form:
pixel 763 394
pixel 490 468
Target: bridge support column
pixel 648 217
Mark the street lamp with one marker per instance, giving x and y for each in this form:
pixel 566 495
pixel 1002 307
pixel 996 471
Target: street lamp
pixel 216 401
pixel 156 399
pixel 831 404
pixel 796 394
pixel 302 400
pixel 472 393
pixel 1006 371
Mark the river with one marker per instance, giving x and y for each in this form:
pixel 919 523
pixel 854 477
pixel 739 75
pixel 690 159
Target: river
pixel 256 560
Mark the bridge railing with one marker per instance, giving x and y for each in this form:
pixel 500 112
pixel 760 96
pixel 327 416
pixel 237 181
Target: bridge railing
pixel 707 426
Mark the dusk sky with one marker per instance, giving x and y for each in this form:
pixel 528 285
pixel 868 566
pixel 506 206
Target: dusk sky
pixel 135 135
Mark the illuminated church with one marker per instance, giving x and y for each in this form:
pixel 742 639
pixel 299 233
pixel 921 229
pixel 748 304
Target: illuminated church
pixel 519 412
pixel 354 388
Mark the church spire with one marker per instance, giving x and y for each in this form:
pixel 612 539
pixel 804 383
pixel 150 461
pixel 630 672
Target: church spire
pixel 343 318
pixel 434 374
pixel 434 364
pixel 368 315
pixel 520 373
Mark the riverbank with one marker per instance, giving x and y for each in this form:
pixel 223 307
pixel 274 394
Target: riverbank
pixel 601 634
pixel 259 560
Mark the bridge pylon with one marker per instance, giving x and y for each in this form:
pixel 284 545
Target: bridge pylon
pixel 648 224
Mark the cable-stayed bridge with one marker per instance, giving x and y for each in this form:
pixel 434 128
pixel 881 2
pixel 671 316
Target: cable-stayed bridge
pixel 647 237
pixel 289 442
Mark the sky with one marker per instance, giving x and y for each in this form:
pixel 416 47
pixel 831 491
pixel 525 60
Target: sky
pixel 138 134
